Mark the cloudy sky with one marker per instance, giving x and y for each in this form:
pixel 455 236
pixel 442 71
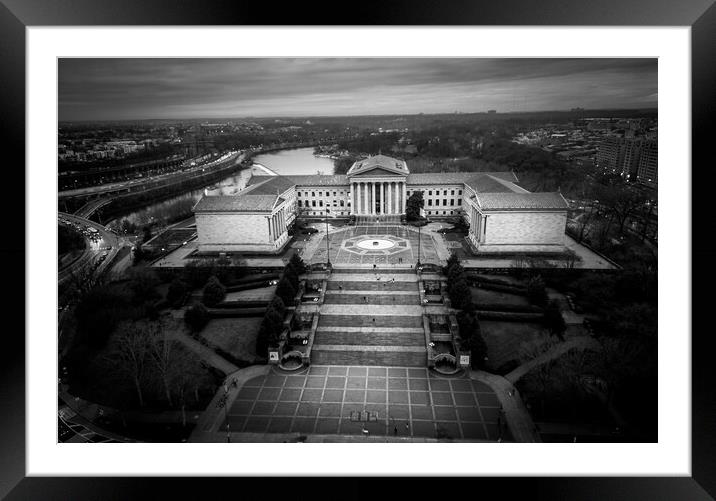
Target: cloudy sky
pixel 114 89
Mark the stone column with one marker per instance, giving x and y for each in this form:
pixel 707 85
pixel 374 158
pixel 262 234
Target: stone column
pixel 372 198
pixel 380 198
pixel 405 197
pixel 268 221
pixel 390 198
pixel 383 204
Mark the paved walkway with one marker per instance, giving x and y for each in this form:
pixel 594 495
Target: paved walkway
pixel 206 354
pixel 333 403
pixel 575 343
pixel 518 418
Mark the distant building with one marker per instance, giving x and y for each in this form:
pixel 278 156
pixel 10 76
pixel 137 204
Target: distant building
pixel 491 111
pixel 623 156
pixel 647 172
pixel 503 217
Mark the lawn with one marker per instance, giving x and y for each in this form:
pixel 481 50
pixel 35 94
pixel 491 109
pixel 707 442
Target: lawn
pixel 480 295
pixel 236 336
pixel 505 339
pixel 259 294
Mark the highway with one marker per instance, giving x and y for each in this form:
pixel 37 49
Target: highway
pixel 232 157
pixel 108 242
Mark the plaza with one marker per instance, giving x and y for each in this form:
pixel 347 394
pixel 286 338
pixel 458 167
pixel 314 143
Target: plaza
pixel 357 401
pixel 354 246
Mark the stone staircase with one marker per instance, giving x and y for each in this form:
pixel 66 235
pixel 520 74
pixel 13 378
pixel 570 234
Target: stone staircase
pixel 369 322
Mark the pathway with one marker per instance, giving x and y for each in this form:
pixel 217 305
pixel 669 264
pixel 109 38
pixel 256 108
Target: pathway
pixel 206 354
pixel 521 426
pixel 575 343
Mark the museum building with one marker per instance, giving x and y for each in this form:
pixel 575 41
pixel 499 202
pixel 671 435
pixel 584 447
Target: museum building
pixel 503 217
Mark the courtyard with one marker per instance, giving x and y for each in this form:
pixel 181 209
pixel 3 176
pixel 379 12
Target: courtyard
pixel 378 401
pixel 355 246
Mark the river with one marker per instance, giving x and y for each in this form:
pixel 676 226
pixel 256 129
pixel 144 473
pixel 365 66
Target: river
pixel 300 161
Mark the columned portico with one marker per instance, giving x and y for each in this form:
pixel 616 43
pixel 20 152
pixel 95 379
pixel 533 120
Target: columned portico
pixel 379 197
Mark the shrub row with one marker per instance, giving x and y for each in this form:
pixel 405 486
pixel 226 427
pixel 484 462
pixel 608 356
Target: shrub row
pixel 509 316
pixel 236 312
pixel 491 280
pixel 515 308
pixel 511 289
pixel 242 303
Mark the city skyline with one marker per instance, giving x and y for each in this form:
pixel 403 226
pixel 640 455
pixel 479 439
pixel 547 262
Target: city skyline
pixel 140 89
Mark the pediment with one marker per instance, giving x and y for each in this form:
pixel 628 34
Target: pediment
pixel 377 171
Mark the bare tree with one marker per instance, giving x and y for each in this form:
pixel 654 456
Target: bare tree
pixel 162 354
pixel 129 352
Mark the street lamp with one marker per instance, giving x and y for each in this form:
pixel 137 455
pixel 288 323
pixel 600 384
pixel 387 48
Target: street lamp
pixel 226 413
pixel 328 249
pixel 418 265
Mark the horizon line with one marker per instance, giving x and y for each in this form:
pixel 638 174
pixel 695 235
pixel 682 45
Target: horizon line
pixel 486 112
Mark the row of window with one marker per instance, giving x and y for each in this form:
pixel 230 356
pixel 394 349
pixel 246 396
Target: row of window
pixel 445 201
pixel 347 193
pixel 437 212
pixel 312 203
pixel 320 213
pixel 437 192
pixel 320 193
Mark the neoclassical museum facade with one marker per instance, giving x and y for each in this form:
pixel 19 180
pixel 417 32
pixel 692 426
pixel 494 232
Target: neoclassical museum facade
pixel 503 217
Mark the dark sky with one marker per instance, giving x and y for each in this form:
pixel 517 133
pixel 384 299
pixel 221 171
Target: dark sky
pixel 114 89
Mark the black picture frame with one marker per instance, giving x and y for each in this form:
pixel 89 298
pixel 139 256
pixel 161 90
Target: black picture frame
pixel 700 15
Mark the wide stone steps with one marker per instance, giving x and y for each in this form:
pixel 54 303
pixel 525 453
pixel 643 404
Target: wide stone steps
pixel 368 270
pixel 373 299
pixel 371 337
pixel 377 321
pixel 391 356
pixel 375 310
pixel 373 285
pixel 346 278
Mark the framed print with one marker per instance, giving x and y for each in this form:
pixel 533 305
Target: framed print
pixel 429 246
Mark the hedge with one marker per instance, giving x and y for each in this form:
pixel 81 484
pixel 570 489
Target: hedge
pixel 242 303
pixel 237 312
pixel 507 316
pixel 511 289
pixel 495 281
pixel 513 308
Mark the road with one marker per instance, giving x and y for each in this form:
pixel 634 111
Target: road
pixel 109 243
pixel 232 157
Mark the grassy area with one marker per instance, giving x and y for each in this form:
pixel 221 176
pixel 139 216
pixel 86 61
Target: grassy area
pixel 236 336
pixel 480 295
pixel 99 375
pixel 506 339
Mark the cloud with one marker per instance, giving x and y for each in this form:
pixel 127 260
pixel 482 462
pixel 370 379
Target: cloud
pixel 190 88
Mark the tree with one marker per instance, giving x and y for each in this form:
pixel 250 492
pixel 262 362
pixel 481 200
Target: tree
pixel 553 320
pixel 297 264
pixel 285 290
pixel 214 292
pixel 471 335
pixel 271 326
pixel 162 356
pixel 536 292
pixel 176 291
pixel 460 294
pixel 622 201
pixel 196 317
pixel 128 353
pixel 451 261
pixel 143 283
pixel 413 205
pixel 290 274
